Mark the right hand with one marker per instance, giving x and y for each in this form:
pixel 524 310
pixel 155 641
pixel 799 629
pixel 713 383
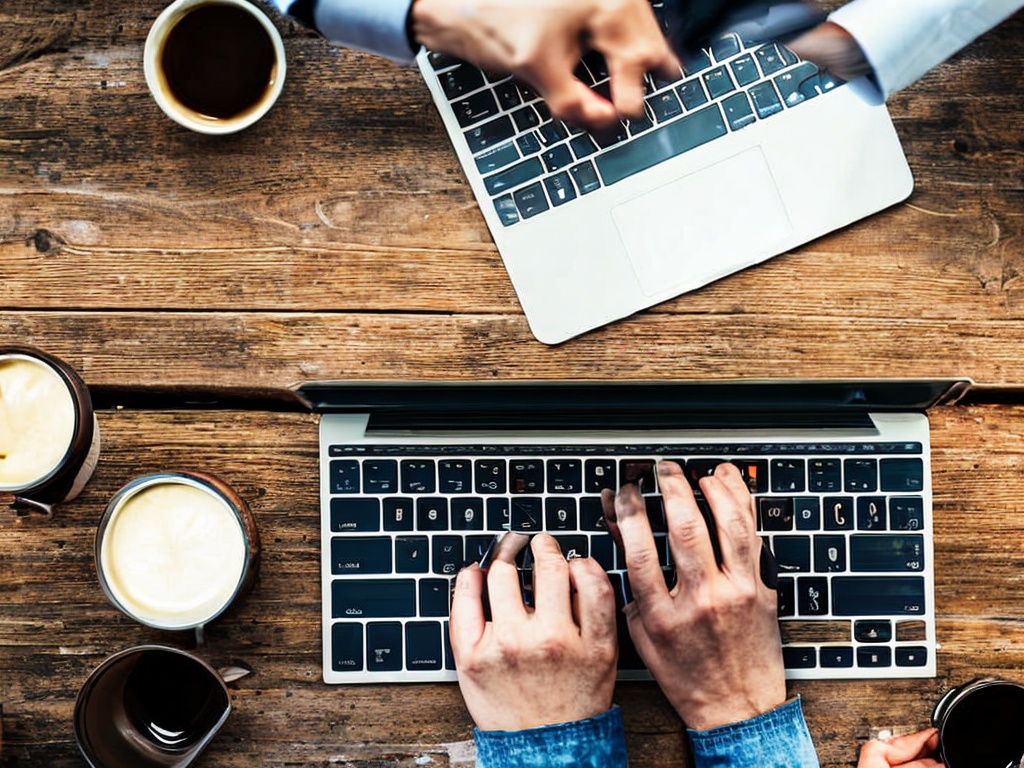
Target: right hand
pixel 542 41
pixel 712 641
pixel 833 48
pixel 915 750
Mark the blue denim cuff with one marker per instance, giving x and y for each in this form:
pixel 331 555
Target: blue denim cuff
pixel 777 739
pixel 378 26
pixel 598 742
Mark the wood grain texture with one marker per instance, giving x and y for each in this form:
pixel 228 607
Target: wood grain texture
pixel 56 626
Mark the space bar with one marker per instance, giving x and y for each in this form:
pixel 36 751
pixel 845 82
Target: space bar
pixel 659 145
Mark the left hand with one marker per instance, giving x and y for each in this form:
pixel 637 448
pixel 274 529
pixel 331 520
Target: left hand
pixel 915 750
pixel 529 667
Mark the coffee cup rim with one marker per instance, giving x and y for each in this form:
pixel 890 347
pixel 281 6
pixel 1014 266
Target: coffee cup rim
pixel 209 484
pixel 181 114
pixel 90 681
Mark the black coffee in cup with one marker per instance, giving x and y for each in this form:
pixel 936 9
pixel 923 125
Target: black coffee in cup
pixel 981 725
pixel 218 60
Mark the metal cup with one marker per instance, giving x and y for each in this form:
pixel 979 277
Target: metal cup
pixel 981 725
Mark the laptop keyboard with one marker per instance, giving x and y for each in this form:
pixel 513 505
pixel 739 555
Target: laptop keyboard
pixel 848 523
pixel 532 163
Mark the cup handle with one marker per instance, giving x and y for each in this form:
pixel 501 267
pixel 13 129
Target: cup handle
pixel 200 635
pixel 30 505
pixel 939 713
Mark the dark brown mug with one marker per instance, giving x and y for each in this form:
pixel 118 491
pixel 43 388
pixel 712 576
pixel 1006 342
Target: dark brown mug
pixel 981 725
pixel 49 438
pixel 150 706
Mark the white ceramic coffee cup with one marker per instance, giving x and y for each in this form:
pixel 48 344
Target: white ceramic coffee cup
pixel 174 107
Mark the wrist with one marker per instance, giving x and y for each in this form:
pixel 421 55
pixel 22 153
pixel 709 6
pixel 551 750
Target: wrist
pixel 707 715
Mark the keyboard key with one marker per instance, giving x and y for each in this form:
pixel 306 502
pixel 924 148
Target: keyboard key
pixel 411 554
pixel 836 657
pixel 662 143
pixel 573 546
pixel 449 657
pixel 347 647
pixel 755 474
pixel 765 99
pixel 384 646
pixel 718 82
pixel 582 146
pixel 373 598
pixel 529 144
pixel 786 591
pixel 697 61
pixel 638 125
pixel 610 136
pixel 639 473
pixel 695 469
pixel 874 656
pixel 790 84
pixel 877 595
pixel 744 70
pixel 476 546
pixel 526 476
pixel 799 657
pixel 560 513
pixel 871 514
pixel 664 106
pixel 886 552
pixel 507 94
pixel 435 597
pixel 489 134
pixel 418 476
pixel 497 515
pixel 829 554
pixel 725 46
pixel 560 189
pixel 525 118
pixel 345 476
pixel 655 508
pixel 360 554
pixel 812 596
pixel 467 514
pixel 792 553
pixel 902 475
pixel 838 513
pixel 380 476
pixel 455 476
pixel 432 514
pixel 448 555
pixel 348 515
pixel 602 549
pixel 788 475
pixel 861 475
pixel 596 64
pixel 691 93
pixel 807 513
pixel 424 651
pixel 775 514
pixel 592 514
pixel 505 206
pixel 565 475
pixel 513 176
pixel 530 200
pixel 489 475
pixel 442 60
pixel 824 475
pixel 906 513
pixel 497 157
pixel 738 112
pixel 473 109
pixel 599 474
pixel 553 132
pixel 770 59
pixel 912 656
pixel 461 80
pixel 526 515
pixel 398 514
pixel 872 631
pixel 585 177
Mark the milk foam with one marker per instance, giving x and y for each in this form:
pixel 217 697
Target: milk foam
pixel 173 555
pixel 37 421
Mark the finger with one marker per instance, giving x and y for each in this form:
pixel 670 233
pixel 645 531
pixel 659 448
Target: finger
pixel 550 578
pixel 914 745
pixel 688 535
pixel 567 97
pixel 627 88
pixel 504 594
pixel 642 562
pixel 608 507
pixel 594 602
pixel 467 611
pixel 732 510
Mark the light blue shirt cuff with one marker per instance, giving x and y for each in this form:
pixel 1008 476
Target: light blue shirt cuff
pixel 777 739
pixel 598 742
pixel 376 26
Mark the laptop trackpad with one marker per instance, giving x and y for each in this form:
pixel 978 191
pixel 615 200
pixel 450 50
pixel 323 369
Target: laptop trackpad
pixel 704 226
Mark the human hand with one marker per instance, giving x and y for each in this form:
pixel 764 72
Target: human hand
pixel 542 41
pixel 833 48
pixel 915 750
pixel 712 641
pixel 528 667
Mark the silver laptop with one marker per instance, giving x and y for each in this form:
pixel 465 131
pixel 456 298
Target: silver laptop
pixel 417 480
pixel 751 153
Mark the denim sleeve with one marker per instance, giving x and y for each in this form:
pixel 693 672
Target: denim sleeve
pixel 777 739
pixel 598 742
pixel 377 26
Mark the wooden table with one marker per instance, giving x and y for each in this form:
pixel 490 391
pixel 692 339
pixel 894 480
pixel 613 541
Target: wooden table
pixel 191 280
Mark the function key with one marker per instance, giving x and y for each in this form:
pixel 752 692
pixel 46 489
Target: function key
pixel 788 475
pixel 380 476
pixel 418 476
pixel 906 475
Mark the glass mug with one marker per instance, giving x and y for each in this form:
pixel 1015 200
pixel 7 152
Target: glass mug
pixel 981 725
pixel 150 706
